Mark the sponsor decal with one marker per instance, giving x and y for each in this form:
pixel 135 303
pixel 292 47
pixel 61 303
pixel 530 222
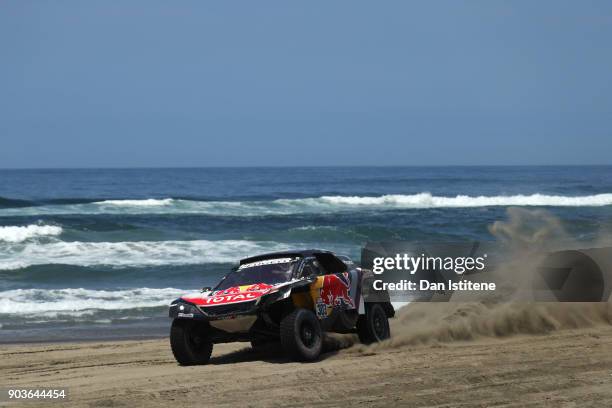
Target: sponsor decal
pixel 258 287
pixel 229 291
pixel 321 309
pixel 266 262
pixel 234 294
pixel 335 291
pixel 232 298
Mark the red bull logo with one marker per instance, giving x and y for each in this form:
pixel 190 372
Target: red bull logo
pixel 229 291
pixel 258 287
pixel 335 290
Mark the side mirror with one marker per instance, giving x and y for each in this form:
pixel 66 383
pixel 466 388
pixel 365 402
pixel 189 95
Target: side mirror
pixel 206 289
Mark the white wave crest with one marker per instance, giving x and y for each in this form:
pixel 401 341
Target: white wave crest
pixel 25 301
pixel 426 200
pixel 132 254
pixel 149 202
pixel 23 233
pixel 324 204
pixel 315 228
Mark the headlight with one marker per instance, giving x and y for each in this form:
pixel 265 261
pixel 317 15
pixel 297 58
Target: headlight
pixel 180 309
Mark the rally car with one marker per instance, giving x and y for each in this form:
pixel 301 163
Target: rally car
pixel 289 297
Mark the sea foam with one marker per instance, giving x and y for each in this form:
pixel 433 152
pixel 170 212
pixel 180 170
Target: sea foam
pixel 149 202
pixel 426 200
pixel 23 233
pixel 132 254
pixel 313 205
pixel 25 301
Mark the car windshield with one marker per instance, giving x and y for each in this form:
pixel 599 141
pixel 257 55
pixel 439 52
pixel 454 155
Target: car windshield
pixel 270 271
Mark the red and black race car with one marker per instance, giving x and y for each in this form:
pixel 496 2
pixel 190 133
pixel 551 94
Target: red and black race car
pixel 293 297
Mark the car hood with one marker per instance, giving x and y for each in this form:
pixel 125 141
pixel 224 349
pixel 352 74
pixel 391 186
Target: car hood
pixel 235 294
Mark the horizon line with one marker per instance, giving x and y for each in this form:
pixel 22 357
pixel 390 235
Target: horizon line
pixel 298 166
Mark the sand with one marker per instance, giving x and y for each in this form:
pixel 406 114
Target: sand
pixel 562 368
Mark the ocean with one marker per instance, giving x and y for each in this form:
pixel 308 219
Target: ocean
pixel 99 253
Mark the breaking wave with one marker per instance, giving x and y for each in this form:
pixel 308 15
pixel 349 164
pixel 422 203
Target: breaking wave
pixel 426 200
pixel 22 233
pixel 149 202
pixel 132 254
pixel 323 204
pixel 21 301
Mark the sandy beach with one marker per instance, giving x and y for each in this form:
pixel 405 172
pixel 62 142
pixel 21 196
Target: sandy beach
pixel 566 367
pixel 406 204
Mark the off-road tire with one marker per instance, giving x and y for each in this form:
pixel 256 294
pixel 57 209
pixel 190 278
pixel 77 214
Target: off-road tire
pixel 188 342
pixel 301 335
pixel 374 325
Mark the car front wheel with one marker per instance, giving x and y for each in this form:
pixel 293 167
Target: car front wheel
pixel 301 335
pixel 189 343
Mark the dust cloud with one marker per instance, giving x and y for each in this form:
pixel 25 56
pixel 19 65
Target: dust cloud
pixel 526 235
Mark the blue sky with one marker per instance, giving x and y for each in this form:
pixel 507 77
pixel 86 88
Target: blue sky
pixel 202 83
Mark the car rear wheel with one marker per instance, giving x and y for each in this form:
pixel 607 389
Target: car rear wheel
pixel 374 325
pixel 188 342
pixel 301 335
